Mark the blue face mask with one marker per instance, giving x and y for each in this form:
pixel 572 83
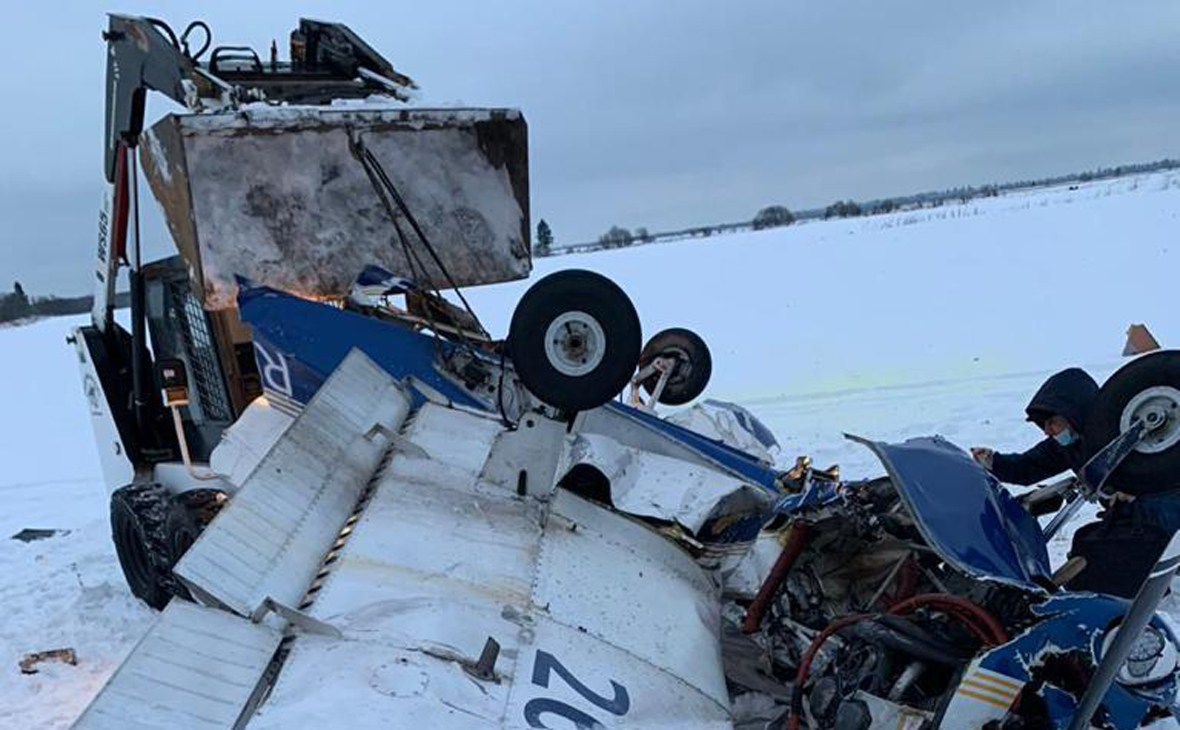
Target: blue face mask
pixel 1066 437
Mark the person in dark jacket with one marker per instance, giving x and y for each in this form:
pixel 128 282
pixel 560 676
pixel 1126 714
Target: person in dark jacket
pixel 1059 409
pixel 1135 525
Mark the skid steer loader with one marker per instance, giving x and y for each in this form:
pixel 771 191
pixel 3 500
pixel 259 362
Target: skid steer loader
pixel 261 177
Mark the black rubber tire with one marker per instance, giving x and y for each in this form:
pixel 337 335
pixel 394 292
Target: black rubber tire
pixel 188 516
pixel 575 290
pixel 1154 472
pixel 139 515
pixel 190 513
pixel 694 365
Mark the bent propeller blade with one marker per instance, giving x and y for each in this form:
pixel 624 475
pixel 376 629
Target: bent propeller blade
pixel 1138 616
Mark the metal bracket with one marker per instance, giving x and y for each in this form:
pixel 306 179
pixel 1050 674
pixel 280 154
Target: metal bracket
pixel 397 441
pixel 1102 464
pixel 662 365
pixel 296 618
pixel 1093 475
pixel 484 668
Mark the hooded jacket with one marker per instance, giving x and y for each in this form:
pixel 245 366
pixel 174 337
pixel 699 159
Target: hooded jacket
pixel 1069 394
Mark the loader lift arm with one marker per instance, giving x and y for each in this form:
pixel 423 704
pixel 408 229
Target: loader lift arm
pixel 328 61
pixel 139 58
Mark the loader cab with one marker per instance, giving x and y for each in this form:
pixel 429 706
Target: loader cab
pixel 154 457
pixel 215 348
pixel 263 178
pixel 217 354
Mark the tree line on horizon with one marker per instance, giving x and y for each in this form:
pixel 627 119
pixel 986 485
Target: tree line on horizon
pixel 773 216
pixel 17 304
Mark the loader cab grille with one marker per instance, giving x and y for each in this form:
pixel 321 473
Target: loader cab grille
pixel 191 322
pixel 181 329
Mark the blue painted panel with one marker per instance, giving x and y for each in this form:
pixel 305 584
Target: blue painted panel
pixel 963 513
pixel 310 339
pixel 306 340
pixel 1077 622
pixel 739 462
pixel 817 493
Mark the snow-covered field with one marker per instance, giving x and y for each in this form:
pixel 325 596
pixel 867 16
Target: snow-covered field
pixel 66 591
pixel 938 321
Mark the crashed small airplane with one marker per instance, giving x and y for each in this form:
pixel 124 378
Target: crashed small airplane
pixel 353 505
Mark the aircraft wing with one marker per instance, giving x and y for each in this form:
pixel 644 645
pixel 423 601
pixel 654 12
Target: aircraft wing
pixel 448 595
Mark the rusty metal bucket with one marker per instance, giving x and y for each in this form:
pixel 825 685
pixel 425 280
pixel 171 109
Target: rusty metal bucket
pixel 276 195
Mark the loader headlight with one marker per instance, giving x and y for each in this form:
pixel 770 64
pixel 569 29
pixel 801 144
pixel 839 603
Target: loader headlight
pixel 1153 657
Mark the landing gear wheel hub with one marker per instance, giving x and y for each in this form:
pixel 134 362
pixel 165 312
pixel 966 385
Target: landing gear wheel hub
pixel 1152 404
pixel 574 340
pixel 683 369
pixel 693 365
pixel 575 343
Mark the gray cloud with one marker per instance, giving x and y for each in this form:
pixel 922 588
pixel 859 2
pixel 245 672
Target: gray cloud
pixel 663 114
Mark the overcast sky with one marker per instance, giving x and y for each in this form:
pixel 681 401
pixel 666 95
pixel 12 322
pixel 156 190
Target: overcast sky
pixel 657 114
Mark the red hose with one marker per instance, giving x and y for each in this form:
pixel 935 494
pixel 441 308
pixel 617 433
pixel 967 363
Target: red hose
pixel 968 620
pixel 808 656
pixel 988 630
pixel 961 609
pixel 796 540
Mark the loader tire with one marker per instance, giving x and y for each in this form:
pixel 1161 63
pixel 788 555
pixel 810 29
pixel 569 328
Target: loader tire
pixel 139 516
pixel 188 516
pixel 190 513
pixel 694 364
pixel 1149 381
pixel 574 339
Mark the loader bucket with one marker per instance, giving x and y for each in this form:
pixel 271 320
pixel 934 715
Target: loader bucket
pixel 276 194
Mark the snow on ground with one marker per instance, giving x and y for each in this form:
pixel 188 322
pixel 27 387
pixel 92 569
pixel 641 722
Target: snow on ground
pixel 998 286
pixel 65 591
pixel 937 321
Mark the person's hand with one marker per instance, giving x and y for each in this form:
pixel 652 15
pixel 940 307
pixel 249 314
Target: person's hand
pixel 983 456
